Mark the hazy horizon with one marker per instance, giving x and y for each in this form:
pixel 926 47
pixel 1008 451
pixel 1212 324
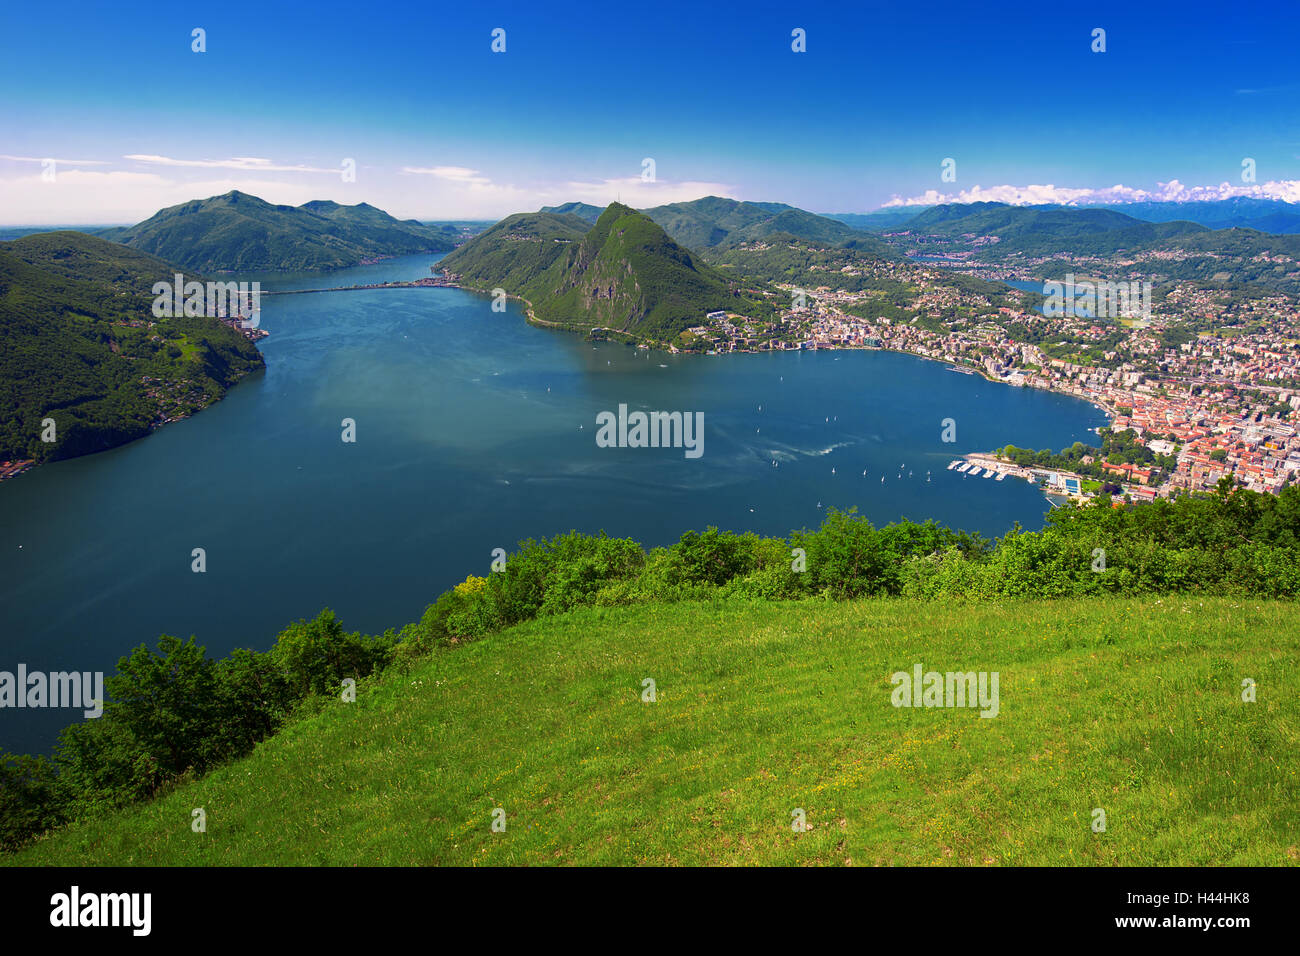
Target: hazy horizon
pixel 878 108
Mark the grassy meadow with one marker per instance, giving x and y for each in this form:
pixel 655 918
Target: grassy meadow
pixel 1131 705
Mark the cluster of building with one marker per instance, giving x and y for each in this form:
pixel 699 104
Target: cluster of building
pixel 10 468
pixel 174 400
pixel 1220 402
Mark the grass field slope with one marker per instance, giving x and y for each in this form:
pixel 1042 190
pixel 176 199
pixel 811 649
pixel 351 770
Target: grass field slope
pixel 1131 706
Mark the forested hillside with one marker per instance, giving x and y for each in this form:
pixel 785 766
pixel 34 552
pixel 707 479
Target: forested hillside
pixel 79 345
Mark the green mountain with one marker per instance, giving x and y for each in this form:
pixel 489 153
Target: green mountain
pixel 726 223
pixel 239 232
pixel 1044 230
pixel 714 222
pixel 580 209
pixel 79 344
pixel 882 219
pixel 1266 215
pixel 624 273
pixel 515 252
pixel 1174 250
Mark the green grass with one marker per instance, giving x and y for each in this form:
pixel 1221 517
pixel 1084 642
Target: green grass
pixel 1133 706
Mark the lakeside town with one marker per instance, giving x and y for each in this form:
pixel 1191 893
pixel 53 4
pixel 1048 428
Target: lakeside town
pixel 1207 384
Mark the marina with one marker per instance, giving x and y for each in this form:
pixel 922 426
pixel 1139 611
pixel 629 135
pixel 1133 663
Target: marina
pixel 1058 486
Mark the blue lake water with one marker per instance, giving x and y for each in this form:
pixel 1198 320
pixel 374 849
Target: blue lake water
pixel 474 430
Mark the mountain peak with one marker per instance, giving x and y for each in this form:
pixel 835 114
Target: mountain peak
pixel 237 231
pixel 617 210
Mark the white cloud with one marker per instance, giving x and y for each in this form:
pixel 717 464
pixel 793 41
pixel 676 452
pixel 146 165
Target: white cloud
pixel 461 192
pixel 1172 191
pixel 120 196
pixel 55 160
pixel 153 182
pixel 458 174
pixel 245 163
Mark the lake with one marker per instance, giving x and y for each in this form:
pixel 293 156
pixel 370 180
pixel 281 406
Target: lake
pixel 474 430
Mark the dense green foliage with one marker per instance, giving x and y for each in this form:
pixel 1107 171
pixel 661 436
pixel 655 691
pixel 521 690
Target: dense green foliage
pixel 238 232
pixel 174 713
pixel 1117 448
pixel 805 265
pixel 1233 258
pixel 79 344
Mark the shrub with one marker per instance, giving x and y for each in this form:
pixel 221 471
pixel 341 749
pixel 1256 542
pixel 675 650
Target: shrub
pixel 714 557
pixel 314 656
pixel 31 800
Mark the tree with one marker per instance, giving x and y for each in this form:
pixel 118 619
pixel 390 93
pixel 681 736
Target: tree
pixel 167 701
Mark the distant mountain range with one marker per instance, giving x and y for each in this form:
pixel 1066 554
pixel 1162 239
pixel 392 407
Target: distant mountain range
pixel 726 223
pixel 880 220
pixel 624 272
pixel 79 345
pixel 1264 215
pixel 1058 237
pixel 238 232
pixel 1017 224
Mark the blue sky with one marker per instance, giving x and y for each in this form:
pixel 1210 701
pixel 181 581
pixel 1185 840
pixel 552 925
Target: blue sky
pixel 441 127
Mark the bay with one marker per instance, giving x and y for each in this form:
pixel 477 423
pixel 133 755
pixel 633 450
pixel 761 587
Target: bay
pixel 474 430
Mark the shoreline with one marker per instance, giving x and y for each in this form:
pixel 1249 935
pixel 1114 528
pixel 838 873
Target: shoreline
pixel 1054 498
pixel 1111 414
pixel 31 464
